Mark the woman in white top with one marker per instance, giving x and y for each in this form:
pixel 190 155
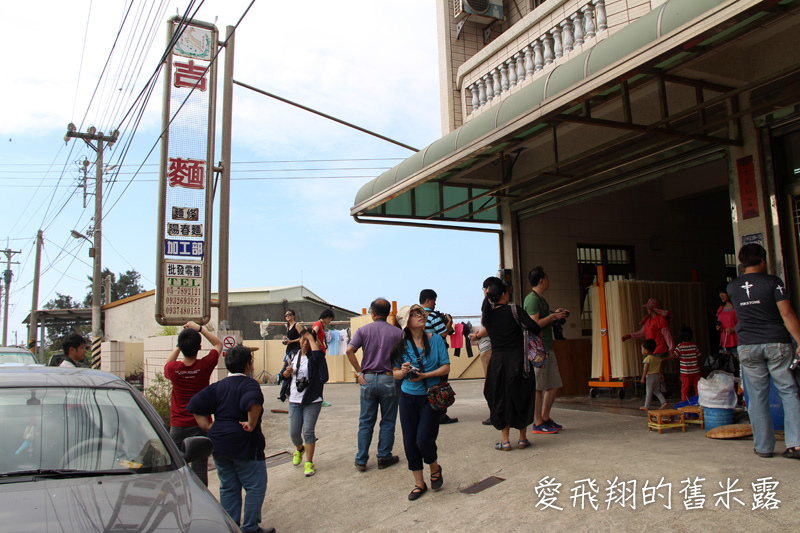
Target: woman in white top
pixel 308 372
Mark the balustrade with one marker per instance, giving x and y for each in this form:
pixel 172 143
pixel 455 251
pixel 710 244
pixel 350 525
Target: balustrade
pixel 554 43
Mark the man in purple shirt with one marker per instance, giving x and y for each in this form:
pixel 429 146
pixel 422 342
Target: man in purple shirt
pixel 378 388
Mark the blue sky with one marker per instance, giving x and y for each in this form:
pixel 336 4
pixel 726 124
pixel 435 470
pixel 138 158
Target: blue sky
pixel 370 63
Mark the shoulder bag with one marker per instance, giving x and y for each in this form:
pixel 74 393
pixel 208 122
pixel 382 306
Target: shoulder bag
pixel 441 396
pixel 535 352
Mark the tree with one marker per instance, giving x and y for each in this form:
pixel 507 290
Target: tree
pixel 56 332
pixel 126 285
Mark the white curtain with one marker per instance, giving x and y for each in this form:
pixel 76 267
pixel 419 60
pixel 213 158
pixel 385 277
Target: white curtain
pixel 686 303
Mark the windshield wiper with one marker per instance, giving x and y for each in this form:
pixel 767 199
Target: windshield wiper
pixel 62 473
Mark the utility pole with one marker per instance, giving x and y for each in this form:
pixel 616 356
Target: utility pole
pixel 34 319
pixel 225 180
pixel 93 135
pixel 7 281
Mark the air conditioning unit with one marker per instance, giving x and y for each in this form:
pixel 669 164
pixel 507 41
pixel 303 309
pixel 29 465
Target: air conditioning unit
pixel 480 11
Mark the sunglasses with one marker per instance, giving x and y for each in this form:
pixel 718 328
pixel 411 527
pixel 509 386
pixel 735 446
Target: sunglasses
pixel 417 313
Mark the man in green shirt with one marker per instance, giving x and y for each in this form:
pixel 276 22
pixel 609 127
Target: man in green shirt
pixel 548 379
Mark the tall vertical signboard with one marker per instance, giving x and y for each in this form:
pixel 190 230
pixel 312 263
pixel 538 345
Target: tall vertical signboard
pixel 185 191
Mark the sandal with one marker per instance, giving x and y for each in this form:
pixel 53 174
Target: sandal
pixel 417 492
pixel 436 480
pixel 503 446
pixel 792 453
pixel 522 444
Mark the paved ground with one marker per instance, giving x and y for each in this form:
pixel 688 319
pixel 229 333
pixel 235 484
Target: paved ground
pixel 601 446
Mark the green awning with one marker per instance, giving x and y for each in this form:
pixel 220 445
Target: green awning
pixel 427 185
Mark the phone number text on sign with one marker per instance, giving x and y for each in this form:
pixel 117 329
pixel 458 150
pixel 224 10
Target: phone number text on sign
pixel 183 290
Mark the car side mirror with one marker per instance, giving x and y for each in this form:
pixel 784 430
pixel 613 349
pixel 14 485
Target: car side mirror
pixel 197 448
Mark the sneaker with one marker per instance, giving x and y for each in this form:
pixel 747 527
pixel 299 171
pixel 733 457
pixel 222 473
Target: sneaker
pixel 297 456
pixel 326 404
pixel 543 429
pixel 360 467
pixel 389 461
pixel 764 455
pixel 309 469
pixel 551 423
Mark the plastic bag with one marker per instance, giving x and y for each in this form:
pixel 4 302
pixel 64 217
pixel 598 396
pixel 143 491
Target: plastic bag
pixel 717 390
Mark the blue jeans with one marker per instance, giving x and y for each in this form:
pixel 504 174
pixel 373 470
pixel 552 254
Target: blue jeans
pixel 420 425
pixel 759 363
pixel 380 391
pixel 179 434
pixel 302 421
pixel 237 474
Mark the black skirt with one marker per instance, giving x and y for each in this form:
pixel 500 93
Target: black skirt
pixel 508 392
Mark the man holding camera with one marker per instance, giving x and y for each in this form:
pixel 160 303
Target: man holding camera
pixel 548 379
pixel 378 388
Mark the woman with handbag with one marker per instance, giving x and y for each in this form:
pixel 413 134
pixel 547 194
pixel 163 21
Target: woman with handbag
pixel 307 373
pixel 420 360
pixel 726 325
pixel 510 387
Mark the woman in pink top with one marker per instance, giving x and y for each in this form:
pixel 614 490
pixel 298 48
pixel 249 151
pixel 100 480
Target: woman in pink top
pixel 726 322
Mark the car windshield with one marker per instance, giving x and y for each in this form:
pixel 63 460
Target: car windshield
pixel 17 358
pixel 82 429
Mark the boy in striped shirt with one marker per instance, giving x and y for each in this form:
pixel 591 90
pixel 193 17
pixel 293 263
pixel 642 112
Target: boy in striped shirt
pixel 688 354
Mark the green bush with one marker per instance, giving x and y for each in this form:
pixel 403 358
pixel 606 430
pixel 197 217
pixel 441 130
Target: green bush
pixel 168 331
pixel 159 394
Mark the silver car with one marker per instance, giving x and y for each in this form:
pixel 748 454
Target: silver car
pixel 13 356
pixel 81 450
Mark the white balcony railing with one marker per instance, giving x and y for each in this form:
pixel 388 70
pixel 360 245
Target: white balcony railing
pixel 559 40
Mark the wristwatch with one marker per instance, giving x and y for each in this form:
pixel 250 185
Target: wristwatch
pixel 358 374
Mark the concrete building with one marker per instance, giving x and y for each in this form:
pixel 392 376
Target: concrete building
pixel 132 319
pixel 653 137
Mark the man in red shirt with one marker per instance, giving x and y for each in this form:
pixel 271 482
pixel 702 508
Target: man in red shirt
pixel 188 377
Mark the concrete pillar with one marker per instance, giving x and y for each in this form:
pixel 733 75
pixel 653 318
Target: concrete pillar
pixel 745 168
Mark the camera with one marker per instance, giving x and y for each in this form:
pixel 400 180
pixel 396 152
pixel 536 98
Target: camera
pixel 413 372
pixel 301 384
pixel 558 325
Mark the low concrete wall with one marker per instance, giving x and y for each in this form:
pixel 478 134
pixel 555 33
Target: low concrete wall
pixel 269 357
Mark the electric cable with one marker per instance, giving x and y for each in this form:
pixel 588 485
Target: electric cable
pixel 211 62
pixel 83 53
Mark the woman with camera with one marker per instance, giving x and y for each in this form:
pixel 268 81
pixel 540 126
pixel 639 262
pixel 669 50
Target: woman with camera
pixel 308 372
pixel 548 378
pixel 509 390
pixel 420 360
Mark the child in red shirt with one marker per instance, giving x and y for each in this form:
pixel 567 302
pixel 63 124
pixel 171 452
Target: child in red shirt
pixel 688 354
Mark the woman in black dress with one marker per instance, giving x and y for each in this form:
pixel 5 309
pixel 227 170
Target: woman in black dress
pixel 509 392
pixel 292 337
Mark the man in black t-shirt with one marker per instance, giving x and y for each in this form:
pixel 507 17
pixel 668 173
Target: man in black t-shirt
pixel 767 324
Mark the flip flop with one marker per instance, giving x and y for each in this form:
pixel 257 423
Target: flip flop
pixel 503 446
pixel 522 444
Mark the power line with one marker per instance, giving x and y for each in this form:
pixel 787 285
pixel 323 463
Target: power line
pixel 83 52
pixel 211 62
pixel 244 170
pixel 241 162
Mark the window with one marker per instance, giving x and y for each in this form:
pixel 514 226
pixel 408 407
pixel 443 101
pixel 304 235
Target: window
pixel 536 3
pixel 619 263
pixel 730 265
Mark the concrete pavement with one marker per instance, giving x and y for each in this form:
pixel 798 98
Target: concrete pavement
pixel 598 446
